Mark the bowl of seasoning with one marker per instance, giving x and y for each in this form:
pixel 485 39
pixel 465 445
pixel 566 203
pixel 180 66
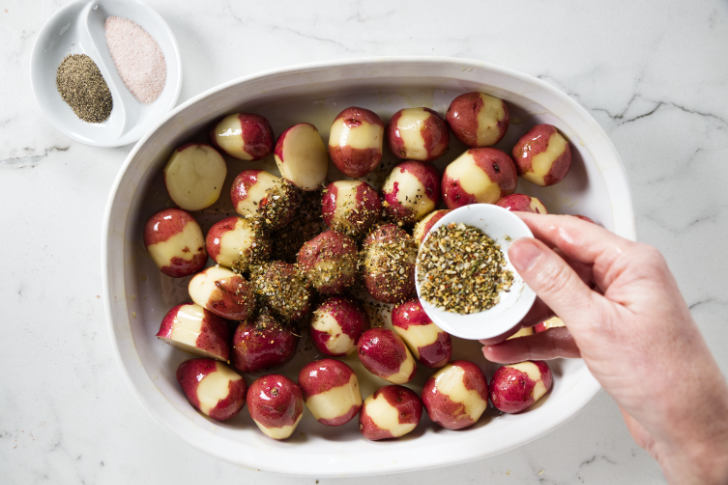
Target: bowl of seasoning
pixel 105 72
pixel 464 279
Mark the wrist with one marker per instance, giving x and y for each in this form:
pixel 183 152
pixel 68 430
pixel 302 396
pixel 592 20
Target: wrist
pixel 694 462
pixel 695 449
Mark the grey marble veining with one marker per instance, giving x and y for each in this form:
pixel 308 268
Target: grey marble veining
pixel 652 73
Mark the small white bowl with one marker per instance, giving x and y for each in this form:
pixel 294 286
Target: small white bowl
pixel 78 28
pixel 504 227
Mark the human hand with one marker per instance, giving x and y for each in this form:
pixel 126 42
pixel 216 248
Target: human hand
pixel 634 332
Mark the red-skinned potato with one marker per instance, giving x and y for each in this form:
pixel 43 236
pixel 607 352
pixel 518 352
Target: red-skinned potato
pixel 411 190
pixel 301 156
pixel 224 293
pixel 456 396
pixel 331 391
pixel 212 388
pixel 389 264
pixel 522 203
pixel 391 412
pixel 543 155
pixel 385 355
pixel 236 242
pixel 193 329
pixel 553 322
pixel 284 289
pixel 516 387
pixel 425 224
pixel 262 344
pixel 417 134
pixel 175 242
pixel 478 119
pixel 337 325
pixel 265 197
pixel 355 141
pixel 329 261
pixel 276 405
pixel 194 176
pixel 479 175
pixel 350 207
pixel 245 136
pixel 522 332
pixel 429 344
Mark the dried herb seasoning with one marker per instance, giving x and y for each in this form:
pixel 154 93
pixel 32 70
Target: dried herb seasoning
pixel 83 88
pixel 462 270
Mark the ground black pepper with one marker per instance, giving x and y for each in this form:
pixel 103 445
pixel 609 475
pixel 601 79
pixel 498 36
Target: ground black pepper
pixel 83 88
pixel 461 269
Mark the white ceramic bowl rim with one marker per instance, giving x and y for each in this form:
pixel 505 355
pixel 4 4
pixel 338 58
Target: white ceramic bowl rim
pixel 461 448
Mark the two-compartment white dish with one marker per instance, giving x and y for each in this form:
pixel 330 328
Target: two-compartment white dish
pixel 137 296
pixel 78 28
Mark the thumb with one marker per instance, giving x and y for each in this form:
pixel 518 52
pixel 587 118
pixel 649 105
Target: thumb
pixel 553 280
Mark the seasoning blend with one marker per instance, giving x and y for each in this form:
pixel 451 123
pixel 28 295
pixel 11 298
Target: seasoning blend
pixel 137 57
pixel 83 88
pixel 462 270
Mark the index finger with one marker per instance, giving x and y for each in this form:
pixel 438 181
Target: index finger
pixel 580 240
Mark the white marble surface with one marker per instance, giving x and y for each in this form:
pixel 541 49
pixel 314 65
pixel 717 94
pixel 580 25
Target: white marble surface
pixel 653 73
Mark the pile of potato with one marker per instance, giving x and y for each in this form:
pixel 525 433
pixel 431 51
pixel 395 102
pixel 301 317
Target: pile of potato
pixel 248 310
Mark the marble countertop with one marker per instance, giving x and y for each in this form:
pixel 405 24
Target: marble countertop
pixel 653 73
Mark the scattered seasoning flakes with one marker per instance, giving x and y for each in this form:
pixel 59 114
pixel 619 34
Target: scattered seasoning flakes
pixel 83 88
pixel 461 269
pixel 283 288
pixel 305 225
pixel 281 199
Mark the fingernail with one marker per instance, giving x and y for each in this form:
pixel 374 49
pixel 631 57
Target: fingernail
pixel 524 253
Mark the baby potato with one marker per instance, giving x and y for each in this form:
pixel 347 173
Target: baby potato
pixel 479 175
pixel 523 203
pixel 385 355
pixel 236 242
pixel 212 388
pixel 425 224
pixel 392 411
pixel 224 293
pixel 337 325
pixel 276 405
pixel 193 329
pixel 417 134
pixel 456 396
pixel 552 322
pixel 262 343
pixel 516 387
pixel 355 141
pixel 478 119
pixel 174 241
pixel 428 343
pixel 543 155
pixel 389 264
pixel 329 261
pixel 411 190
pixel 331 391
pixel 265 197
pixel 301 156
pixel 350 207
pixel 245 136
pixel 194 176
pixel 283 288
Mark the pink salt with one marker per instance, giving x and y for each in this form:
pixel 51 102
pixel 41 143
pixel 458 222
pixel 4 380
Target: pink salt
pixel 137 57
